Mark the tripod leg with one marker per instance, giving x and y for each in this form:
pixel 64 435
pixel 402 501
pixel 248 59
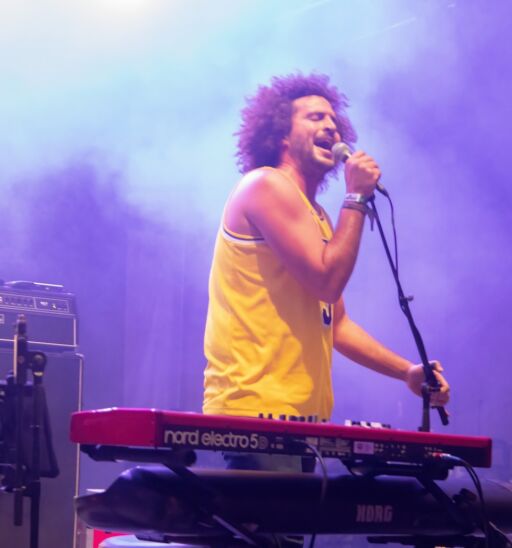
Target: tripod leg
pixel 35 499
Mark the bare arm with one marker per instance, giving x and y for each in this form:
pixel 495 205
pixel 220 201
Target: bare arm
pixel 356 344
pixel 273 207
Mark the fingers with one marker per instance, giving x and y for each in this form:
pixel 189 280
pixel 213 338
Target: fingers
pixel 436 365
pixel 361 173
pixel 362 160
pixel 439 397
pixel 442 396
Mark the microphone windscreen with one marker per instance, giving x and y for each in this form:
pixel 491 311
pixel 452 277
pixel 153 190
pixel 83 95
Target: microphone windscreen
pixel 341 152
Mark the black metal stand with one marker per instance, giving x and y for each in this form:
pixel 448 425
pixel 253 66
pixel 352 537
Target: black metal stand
pixel 27 482
pixel 204 496
pixel 431 384
pixel 196 492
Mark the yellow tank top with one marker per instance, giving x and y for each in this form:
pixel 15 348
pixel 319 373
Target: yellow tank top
pixel 268 342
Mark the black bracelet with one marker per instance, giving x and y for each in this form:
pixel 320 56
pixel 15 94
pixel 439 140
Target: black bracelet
pixel 363 208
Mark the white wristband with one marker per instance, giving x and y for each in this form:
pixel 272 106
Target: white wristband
pixel 355 197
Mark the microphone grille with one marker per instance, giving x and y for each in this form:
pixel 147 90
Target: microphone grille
pixel 341 152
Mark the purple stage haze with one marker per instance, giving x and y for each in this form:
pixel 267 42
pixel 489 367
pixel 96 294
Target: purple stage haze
pixel 117 154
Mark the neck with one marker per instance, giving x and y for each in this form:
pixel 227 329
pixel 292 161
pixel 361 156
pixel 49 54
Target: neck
pixel 307 182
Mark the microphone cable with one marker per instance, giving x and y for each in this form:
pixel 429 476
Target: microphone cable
pixel 431 383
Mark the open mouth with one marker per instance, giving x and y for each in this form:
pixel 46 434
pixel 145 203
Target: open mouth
pixel 324 142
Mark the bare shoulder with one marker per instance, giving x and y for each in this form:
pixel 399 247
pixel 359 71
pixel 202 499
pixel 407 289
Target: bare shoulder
pixel 267 188
pixel 250 190
pixel 259 193
pixel 262 180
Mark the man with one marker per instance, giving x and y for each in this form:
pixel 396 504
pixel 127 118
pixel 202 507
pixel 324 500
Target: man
pixel 279 269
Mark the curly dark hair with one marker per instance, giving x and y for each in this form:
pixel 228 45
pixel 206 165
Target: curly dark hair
pixel 267 117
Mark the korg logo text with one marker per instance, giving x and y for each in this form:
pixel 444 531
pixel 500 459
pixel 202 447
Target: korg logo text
pixel 374 513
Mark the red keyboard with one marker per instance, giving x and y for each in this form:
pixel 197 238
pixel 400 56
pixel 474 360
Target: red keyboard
pixel 158 429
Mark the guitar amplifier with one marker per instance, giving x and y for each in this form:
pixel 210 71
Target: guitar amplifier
pixel 50 312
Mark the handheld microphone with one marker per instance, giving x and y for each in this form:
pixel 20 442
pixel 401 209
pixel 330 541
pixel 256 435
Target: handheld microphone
pixel 342 152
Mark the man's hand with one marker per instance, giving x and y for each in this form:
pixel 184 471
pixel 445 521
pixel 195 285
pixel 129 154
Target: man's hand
pixel 416 377
pixel 361 173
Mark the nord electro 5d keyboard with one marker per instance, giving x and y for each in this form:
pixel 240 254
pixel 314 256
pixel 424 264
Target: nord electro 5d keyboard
pixel 173 431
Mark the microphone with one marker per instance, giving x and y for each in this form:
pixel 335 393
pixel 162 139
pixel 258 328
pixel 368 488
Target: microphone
pixel 342 152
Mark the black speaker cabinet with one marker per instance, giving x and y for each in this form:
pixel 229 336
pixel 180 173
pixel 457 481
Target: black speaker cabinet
pixel 63 387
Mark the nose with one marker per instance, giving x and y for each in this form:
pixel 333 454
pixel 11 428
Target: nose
pixel 330 125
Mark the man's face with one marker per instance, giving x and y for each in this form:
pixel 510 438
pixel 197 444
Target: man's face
pixel 313 134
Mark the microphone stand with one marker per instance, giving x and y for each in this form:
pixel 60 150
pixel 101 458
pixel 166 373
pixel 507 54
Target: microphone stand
pixel 28 482
pixel 430 384
pixel 20 378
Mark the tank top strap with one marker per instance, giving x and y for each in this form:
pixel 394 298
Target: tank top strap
pixel 302 195
pixel 320 216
